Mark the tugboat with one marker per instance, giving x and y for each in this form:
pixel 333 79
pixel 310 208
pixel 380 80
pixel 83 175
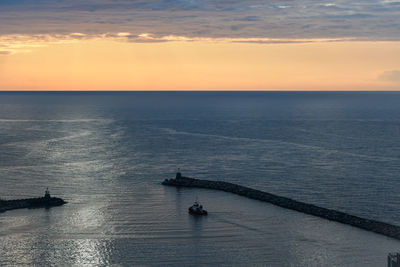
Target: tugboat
pixel 197 209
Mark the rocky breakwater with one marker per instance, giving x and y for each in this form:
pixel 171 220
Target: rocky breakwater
pixel 30 203
pixel 284 202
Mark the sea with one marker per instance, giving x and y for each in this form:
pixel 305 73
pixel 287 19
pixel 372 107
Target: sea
pixel 106 153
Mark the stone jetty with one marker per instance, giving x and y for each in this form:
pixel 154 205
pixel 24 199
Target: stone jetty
pixel 30 203
pixel 284 202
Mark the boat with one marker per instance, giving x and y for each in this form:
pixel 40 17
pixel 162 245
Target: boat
pixel 197 209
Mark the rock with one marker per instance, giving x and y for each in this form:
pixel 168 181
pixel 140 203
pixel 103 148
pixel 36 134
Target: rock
pixel 333 215
pixel 30 203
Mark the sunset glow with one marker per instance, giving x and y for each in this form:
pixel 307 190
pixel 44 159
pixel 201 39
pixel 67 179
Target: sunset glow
pixel 101 64
pixel 40 51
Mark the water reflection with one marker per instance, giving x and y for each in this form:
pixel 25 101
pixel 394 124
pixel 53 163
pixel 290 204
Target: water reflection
pixel 90 252
pixel 108 161
pixel 197 223
pixel 179 208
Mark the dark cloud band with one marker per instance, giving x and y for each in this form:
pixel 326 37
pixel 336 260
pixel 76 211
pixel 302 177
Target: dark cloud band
pixel 367 19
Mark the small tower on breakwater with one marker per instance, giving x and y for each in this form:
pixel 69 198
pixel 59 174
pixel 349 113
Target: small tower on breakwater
pixel 47 193
pixel 178 174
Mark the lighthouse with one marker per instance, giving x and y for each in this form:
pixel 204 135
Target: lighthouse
pixel 178 174
pixel 47 193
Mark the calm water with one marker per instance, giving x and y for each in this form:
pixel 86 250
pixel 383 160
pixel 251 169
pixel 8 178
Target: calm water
pixel 106 154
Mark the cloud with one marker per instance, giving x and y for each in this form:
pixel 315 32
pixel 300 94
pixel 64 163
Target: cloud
pixel 390 76
pixel 366 19
pixel 355 15
pixel 249 18
pixel 23 43
pixel 19 43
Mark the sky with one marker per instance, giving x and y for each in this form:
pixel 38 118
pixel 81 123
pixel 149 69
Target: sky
pixel 199 45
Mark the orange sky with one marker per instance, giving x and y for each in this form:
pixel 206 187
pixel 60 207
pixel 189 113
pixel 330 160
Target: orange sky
pixel 221 64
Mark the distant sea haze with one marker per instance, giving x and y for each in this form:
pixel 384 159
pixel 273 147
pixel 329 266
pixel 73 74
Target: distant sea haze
pixel 106 154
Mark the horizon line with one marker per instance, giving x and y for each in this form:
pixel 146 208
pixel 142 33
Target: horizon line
pixel 205 90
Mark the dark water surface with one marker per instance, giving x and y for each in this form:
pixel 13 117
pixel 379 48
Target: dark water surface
pixel 106 154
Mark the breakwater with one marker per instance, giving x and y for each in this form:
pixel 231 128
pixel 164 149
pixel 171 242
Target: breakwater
pixel 284 202
pixel 30 203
